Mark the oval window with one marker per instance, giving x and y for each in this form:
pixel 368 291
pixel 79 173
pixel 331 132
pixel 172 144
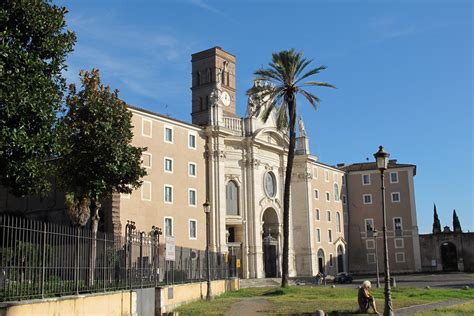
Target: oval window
pixel 270 184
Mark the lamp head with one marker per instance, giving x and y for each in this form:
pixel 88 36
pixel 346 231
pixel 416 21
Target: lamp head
pixel 381 159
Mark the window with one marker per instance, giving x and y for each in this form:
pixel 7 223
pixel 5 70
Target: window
pixel 192 229
pixel 316 194
pixel 168 165
pixel 317 214
pixel 329 235
pixel 192 141
pixel 371 258
pixel 146 160
pixel 336 192
pixel 168 226
pixel 344 199
pixel 395 197
pixel 369 224
pixel 393 177
pixel 366 179
pixel 232 199
pixel 270 184
pixel 367 198
pixel 397 226
pixel 146 191
pixel 198 78
pixel 326 175
pixel 399 257
pixel 315 172
pixel 168 135
pixel 146 127
pixel 330 259
pixel 399 243
pixel 343 180
pixel 338 222
pixel 192 169
pixel 328 196
pixel 329 215
pixel 192 197
pixel 318 235
pixel 168 193
pixel 370 244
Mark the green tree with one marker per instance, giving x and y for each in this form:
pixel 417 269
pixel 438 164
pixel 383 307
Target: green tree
pixel 436 222
pixel 286 74
pixel 98 158
pixel 33 47
pixel 456 223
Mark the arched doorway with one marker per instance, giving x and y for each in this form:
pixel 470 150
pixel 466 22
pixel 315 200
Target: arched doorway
pixel 270 243
pixel 449 256
pixel 321 261
pixel 340 259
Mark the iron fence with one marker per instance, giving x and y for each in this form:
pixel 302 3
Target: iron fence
pixel 41 259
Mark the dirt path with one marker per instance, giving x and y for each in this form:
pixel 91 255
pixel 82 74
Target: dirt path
pixel 250 306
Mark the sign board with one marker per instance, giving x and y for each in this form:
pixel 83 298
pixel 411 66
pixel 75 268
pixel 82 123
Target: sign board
pixel 170 248
pixel 238 263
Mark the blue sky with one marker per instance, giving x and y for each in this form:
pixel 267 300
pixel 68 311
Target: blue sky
pixel 404 72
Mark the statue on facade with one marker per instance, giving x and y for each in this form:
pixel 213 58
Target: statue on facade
pixel 301 126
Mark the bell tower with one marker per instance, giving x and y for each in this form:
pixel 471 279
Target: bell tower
pixel 212 69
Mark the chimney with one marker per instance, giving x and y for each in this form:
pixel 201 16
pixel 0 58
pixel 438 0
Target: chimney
pixel 339 165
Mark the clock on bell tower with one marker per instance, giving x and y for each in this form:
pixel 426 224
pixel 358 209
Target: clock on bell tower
pixel 212 68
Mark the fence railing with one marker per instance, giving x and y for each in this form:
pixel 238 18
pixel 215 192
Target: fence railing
pixel 40 260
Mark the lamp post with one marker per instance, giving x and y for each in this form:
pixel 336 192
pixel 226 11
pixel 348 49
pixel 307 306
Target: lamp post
pixel 375 234
pixel 381 158
pixel 207 210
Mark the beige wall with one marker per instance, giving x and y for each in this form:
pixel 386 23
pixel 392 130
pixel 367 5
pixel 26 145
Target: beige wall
pixel 119 303
pixel 146 210
pixel 404 257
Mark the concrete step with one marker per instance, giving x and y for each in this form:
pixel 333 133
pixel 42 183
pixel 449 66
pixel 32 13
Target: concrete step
pixel 266 282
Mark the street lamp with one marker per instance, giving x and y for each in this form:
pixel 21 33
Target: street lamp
pixel 381 158
pixel 207 210
pixel 375 234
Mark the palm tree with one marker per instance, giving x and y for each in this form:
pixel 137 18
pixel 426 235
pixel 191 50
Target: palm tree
pixel 285 75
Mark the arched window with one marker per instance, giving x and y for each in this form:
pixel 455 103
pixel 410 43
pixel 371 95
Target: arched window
pixel 336 192
pixel 223 77
pixel 338 222
pixel 232 198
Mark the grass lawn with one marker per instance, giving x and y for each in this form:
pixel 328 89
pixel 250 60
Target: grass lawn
pixel 466 309
pixel 307 299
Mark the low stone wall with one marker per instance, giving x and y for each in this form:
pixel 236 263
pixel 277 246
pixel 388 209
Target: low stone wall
pixel 111 303
pixel 173 296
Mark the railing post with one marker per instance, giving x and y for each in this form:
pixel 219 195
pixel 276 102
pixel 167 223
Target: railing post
pixel 141 259
pixel 76 268
pixel 43 263
pixel 105 270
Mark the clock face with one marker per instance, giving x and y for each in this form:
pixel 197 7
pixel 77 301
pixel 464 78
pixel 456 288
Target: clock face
pixel 225 97
pixel 270 184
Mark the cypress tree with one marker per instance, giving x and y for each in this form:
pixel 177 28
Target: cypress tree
pixel 436 222
pixel 456 223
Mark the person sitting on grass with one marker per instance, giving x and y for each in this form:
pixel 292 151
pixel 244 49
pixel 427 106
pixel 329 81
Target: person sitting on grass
pixel 365 299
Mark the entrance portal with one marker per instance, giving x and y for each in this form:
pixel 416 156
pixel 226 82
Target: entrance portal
pixel 321 261
pixel 270 243
pixel 340 259
pixel 449 257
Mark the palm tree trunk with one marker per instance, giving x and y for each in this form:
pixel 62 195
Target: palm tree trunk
pixel 286 194
pixel 94 208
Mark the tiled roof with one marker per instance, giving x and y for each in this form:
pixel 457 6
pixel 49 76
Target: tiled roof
pixel 161 115
pixel 362 166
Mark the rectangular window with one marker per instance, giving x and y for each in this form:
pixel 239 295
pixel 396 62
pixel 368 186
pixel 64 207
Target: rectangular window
pixel 168 134
pixel 369 225
pixel 168 193
pixel 370 244
pixel 328 196
pixel 343 179
pixel 326 175
pixel 318 235
pixel 316 194
pixel 367 198
pixel 192 169
pixel 396 197
pixel 399 257
pixel 317 214
pixel 399 243
pixel 329 235
pixel 168 165
pixel 397 226
pixel 146 191
pixel 168 226
pixel 370 258
pixel 344 199
pixel 329 215
pixel 330 259
pixel 146 160
pixel 146 127
pixel 393 177
pixel 192 197
pixel 366 179
pixel 192 141
pixel 192 229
